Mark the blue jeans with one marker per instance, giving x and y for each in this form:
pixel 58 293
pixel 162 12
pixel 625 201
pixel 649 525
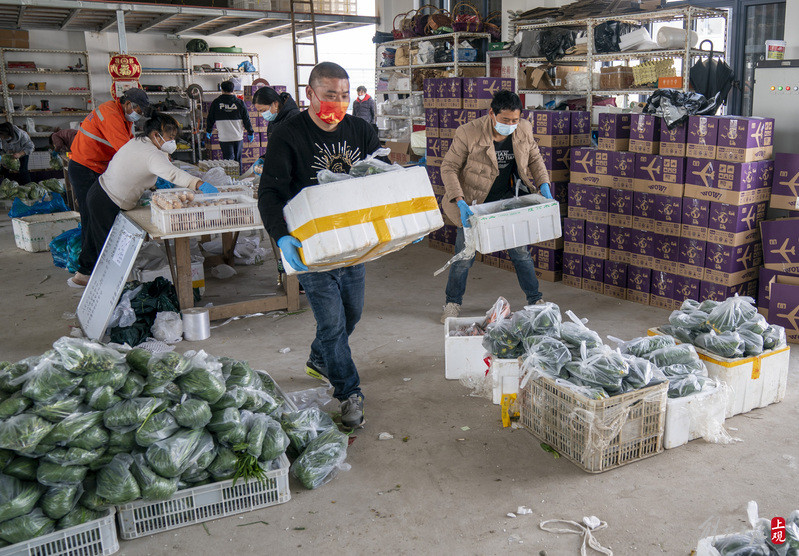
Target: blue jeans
pixel 336 299
pixel 231 150
pixel 522 261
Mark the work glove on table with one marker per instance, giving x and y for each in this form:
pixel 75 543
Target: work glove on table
pixel 466 212
pixel 290 246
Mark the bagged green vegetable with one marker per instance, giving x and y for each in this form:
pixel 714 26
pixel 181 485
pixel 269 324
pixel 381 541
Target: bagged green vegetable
pixel 227 426
pixel 10 374
pixel 753 342
pixel 275 441
pixel 727 344
pixel 13 405
pixel 23 432
pixel 603 367
pixel 684 354
pixel 166 367
pixel 303 426
pixel 134 384
pixel 641 371
pixel 692 319
pixel 172 456
pixel 130 414
pixel 91 439
pixel 224 465
pixel 105 459
pixel 157 427
pixel 643 345
pixel 58 410
pixel 580 387
pixel 239 373
pixel 102 398
pixel 59 501
pixel 321 459
pixel 690 305
pixel 257 399
pixel 73 426
pixel 499 340
pixel 6 457
pixel 116 483
pixel 731 313
pixel 192 414
pixel 685 385
pixel 53 474
pixel 204 383
pixel 235 397
pixel 139 360
pixel 10 161
pixel 74 456
pixel 537 320
pixel 169 392
pixel 195 476
pixel 48 381
pixel 152 485
pixel 257 426
pixel 575 332
pixel 90 499
pixel 680 334
pixel 545 354
pixel 26 527
pixel 115 378
pixel 22 468
pixel 774 337
pixel 122 441
pixel 17 497
pixel 81 356
pixel 708 305
pixel 78 516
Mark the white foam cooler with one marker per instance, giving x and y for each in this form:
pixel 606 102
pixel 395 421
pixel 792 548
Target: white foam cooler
pixel 463 355
pixel 361 219
pixel 516 222
pixel 687 416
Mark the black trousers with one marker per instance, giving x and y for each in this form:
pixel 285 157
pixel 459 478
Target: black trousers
pixel 102 212
pixel 81 179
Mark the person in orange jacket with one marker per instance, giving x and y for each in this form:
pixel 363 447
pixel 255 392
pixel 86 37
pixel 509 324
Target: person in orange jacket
pixel 102 133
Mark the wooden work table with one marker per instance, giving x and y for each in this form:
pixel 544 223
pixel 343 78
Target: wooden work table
pixel 180 265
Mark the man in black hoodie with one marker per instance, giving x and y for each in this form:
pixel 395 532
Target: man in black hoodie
pixel 229 113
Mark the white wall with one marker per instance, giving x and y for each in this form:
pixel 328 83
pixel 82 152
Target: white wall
pixel 791 29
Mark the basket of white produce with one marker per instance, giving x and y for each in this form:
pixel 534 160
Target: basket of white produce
pixel 181 210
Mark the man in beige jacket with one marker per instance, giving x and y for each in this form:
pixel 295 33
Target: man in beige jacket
pixel 486 157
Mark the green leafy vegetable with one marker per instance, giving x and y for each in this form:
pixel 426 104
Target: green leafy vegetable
pixel 206 384
pixel 82 357
pixel 102 398
pixel 320 460
pixel 49 382
pixel 53 474
pixel 134 384
pixel 130 414
pixel 23 432
pixel 78 516
pixel 152 485
pixel 115 378
pixel 74 456
pixel 224 465
pixel 59 501
pixel 275 441
pixel 116 483
pixel 91 439
pixel 192 414
pixel 22 468
pixel 172 456
pixel 305 425
pixel 166 367
pixel 17 497
pixel 13 405
pixel 157 427
pixel 73 426
pixel 58 410
pixel 25 527
pixel 139 360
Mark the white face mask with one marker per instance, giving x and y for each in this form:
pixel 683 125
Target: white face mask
pixel 361 97
pixel 133 116
pixel 168 146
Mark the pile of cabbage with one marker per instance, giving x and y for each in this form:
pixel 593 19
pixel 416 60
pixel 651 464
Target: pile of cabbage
pixel 576 356
pixel 86 426
pixel 33 191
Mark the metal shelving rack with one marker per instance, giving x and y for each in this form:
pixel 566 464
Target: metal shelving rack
pixel 456 65
pixel 687 16
pixel 8 94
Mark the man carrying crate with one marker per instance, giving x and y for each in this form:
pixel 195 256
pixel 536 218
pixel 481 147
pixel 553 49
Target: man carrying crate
pixel 486 158
pixel 324 137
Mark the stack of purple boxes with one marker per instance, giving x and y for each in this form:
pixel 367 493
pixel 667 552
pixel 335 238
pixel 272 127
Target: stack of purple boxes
pixel 682 209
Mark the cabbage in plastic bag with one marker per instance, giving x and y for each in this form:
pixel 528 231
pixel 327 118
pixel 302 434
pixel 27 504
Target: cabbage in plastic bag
pixel 53 474
pixel 23 432
pixel 192 414
pixel 81 356
pixel 152 485
pixel 726 344
pixel 321 459
pixel 576 332
pixel 172 456
pixel 26 527
pixel 59 501
pixel 128 415
pixel 157 426
pixel 17 497
pixel 303 426
pixel 116 483
pixel 731 313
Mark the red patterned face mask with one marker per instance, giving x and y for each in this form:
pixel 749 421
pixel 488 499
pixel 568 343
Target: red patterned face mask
pixel 331 112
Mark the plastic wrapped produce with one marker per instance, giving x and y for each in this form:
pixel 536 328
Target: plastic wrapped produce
pixel 275 441
pixel 138 359
pixel 192 414
pixel 731 313
pixel 152 485
pixel 680 334
pixel 690 305
pixel 753 342
pixel 303 426
pixel 727 344
pixel 23 432
pixel 501 341
pixel 73 426
pixel 74 456
pixel 169 392
pixel 90 499
pixel 172 456
pixel 227 426
pixel 645 344
pixel 57 411
pixel 116 483
pixel 235 397
pixel 91 439
pixel 537 320
pixel 499 311
pixel 257 399
pixel 692 319
pixel 602 367
pixel 13 371
pixel 115 378
pixel 157 426
pixel 22 468
pixel 575 332
pixel 224 465
pixel 545 354
pixel 53 474
pixel 684 354
pixel 14 405
pixel 102 398
pixel 25 527
pixel 774 337
pixel 321 459
pixel 80 356
pixel 166 367
pixel 17 497
pixel 204 380
pixel 685 385
pixel 641 371
pixel 48 381
pixel 128 415
pixel 134 384
pixel 59 501
pixel 239 372
pixel 257 426
pixel 78 516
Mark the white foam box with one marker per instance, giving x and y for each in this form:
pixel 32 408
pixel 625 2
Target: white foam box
pixel 34 233
pixel 683 415
pixel 753 381
pixel 361 219
pixel 505 375
pixel 533 220
pixel 197 275
pixel 463 355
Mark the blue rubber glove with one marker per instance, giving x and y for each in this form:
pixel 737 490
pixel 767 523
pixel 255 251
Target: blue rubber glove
pixel 418 240
pixel 544 190
pixel 208 135
pixel 466 212
pixel 206 187
pixel 290 246
pixel 250 137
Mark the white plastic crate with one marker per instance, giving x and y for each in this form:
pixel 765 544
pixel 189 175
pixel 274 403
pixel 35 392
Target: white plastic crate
pixel 505 375
pixel 34 233
pixel 753 381
pixel 685 416
pixel 463 355
pixel 93 538
pixel 534 219
pixel 197 219
pixel 39 160
pixel 204 503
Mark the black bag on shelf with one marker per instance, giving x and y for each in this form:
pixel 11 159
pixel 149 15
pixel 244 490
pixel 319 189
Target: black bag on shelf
pixel 553 43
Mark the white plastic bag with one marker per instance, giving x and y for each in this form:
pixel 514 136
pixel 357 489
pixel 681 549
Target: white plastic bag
pixel 168 327
pixel 427 52
pixel 468 251
pixel 217 177
pixel 223 271
pixel 123 314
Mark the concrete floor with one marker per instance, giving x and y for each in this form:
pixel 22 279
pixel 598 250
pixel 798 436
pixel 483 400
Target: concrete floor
pixel 446 490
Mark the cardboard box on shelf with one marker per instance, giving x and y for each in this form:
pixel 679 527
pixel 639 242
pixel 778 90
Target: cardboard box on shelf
pixel 662 290
pixel 622 170
pixel 644 211
pixel 781 244
pixel 642 248
pixel 549 259
pixel 620 207
pixel 702 137
pixel 667 253
pixel 596 204
pixel 691 261
pixel 686 288
pixel 785 188
pixel 538 77
pixel 451 91
pixel 596 240
pixel 401 152
pixel 478 92
pixel 430 93
pixel 639 281
pixel 14 39
pixel 590 167
pixel 615 280
pixel 573 270
pixel 556 160
pixel 614 131
pixel 728 265
pixel 620 244
pixel 733 224
pixel 593 275
pixel 720 292
pixel 765 279
pixel 551 128
pixel 783 307
pixel 431 122
pixel 574 236
pixel 668 215
pixel 662 175
pixel 673 141
pixel 695 216
pixel 580 128
pixel 645 133
pixel 744 139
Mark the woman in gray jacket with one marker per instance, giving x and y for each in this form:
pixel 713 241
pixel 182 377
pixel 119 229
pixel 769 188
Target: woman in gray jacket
pixel 17 143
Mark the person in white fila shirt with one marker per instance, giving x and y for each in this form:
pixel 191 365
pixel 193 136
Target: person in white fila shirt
pixel 230 116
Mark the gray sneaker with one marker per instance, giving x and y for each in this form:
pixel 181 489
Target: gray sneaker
pixel 450 310
pixel 352 412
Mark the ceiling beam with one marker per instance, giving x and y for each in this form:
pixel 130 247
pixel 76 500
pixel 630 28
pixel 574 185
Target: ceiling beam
pixel 319 29
pixel 263 28
pixel 107 24
pixel 193 24
pixel 153 22
pixel 233 25
pixel 298 27
pixel 70 17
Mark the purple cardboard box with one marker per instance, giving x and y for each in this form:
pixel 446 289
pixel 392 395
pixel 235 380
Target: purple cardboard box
pixel 644 211
pixel 434 152
pixel 620 208
pixel 733 224
pixel 580 128
pixel 728 182
pixel 686 288
pixel 672 141
pixel 663 175
pixel 766 279
pixel 732 265
pixel 574 236
pixel 444 145
pixel 614 132
pixel 596 204
pixel 596 240
pixel 578 200
pixel 430 93
pixel 700 172
pixel 739 176
pixel 621 167
pixel 783 306
pixel 431 122
pixel 551 128
pixel 620 244
pixel 556 160
pixel 668 215
pixel 434 173
pixel 591 167
pixel 639 281
pixel 446 122
pixel 695 217
pixel 452 92
pixel 549 259
pixel 560 192
pixel 781 244
pixel 615 280
pixel 720 292
pixel 744 139
pixel 785 189
pixel 702 137
pixel 479 91
pixel 667 253
pixel 691 261
pixel 465 116
pixel 593 274
pixel 645 133
pixel 573 270
pixel 662 290
pixel 642 248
